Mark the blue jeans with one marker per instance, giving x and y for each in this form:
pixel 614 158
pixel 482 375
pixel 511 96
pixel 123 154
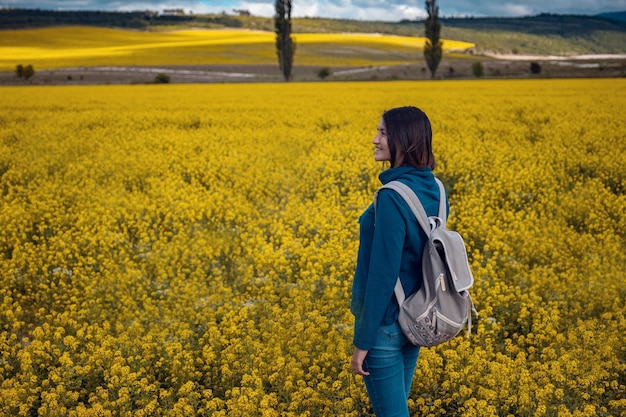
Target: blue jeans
pixel 391 364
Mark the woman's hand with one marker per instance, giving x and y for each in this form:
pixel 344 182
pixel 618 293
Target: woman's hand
pixel 357 361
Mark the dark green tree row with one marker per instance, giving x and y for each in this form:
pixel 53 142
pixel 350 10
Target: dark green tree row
pixel 33 18
pixel 285 46
pixel 433 49
pixel 24 72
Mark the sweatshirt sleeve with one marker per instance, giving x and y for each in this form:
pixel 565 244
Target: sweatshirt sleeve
pixel 384 267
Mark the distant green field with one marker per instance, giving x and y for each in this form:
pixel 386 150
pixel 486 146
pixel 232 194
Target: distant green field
pixel 90 46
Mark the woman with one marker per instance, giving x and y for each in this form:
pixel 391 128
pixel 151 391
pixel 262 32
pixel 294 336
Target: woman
pixel 391 244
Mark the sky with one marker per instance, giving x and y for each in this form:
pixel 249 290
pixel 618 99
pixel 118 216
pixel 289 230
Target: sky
pixel 388 10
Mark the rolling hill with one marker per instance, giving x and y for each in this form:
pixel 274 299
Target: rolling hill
pixel 545 34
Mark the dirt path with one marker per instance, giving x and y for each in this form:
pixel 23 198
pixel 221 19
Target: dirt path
pixel 495 66
pixel 516 57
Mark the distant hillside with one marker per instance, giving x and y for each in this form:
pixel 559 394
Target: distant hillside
pixel 619 16
pixel 543 24
pixel 545 34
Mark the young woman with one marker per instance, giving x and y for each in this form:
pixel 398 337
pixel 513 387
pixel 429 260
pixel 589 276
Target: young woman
pixel 390 246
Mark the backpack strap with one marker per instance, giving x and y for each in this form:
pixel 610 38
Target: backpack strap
pixel 442 203
pixel 416 206
pixel 412 201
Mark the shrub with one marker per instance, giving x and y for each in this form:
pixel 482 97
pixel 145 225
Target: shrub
pixel 535 68
pixel 478 69
pixel 162 79
pixel 29 71
pixel 324 72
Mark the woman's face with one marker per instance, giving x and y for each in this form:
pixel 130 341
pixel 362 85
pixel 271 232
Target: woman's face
pixel 381 152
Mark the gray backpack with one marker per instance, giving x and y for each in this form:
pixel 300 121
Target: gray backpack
pixel 441 308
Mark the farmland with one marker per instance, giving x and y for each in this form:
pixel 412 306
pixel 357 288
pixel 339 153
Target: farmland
pixel 188 249
pixel 79 48
pixel 102 55
pixel 84 46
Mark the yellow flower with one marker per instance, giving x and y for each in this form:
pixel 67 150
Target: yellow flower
pixel 167 254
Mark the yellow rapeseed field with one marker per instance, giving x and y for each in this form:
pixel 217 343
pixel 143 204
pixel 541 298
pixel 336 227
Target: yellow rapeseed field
pixel 89 46
pixel 182 250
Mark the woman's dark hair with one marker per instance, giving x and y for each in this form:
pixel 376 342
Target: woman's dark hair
pixel 410 136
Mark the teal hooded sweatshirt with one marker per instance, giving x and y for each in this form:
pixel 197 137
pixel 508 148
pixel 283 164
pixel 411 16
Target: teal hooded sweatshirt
pixel 390 246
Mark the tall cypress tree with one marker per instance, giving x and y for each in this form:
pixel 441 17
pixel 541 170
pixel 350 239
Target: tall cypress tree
pixel 433 49
pixel 285 46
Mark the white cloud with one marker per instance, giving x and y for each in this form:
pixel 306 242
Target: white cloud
pixel 258 9
pixel 508 9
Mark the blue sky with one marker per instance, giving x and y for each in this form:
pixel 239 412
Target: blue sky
pixel 391 10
